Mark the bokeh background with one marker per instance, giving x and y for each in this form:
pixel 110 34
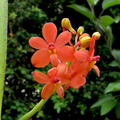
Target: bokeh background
pixel 26 18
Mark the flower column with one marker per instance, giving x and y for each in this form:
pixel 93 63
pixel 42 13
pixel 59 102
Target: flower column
pixel 3 45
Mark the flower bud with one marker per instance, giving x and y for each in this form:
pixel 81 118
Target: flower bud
pixel 85 41
pixel 80 30
pixel 67 25
pixel 84 35
pixel 97 34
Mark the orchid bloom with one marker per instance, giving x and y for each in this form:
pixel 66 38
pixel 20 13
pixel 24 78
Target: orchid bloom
pixel 87 58
pixel 51 49
pixel 76 76
pixel 55 78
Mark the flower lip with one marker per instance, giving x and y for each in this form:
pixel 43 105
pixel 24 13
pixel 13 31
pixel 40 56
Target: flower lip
pixel 51 46
pixel 56 80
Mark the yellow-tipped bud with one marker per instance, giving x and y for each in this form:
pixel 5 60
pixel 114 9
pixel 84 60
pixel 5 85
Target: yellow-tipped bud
pixel 84 35
pixel 97 34
pixel 80 30
pixel 65 23
pixel 85 41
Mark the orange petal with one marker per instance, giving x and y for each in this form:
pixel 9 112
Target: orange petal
pixel 47 90
pixel 54 60
pixel 74 65
pixel 83 68
pixel 52 72
pixel 63 38
pixel 77 81
pixel 49 32
pixel 62 69
pixel 60 90
pixel 64 80
pixel 40 58
pixel 82 55
pixel 92 45
pixel 37 42
pixel 40 77
pixel 97 70
pixel 65 53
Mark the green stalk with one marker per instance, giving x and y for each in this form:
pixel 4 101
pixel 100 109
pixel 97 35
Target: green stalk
pixel 3 46
pixel 34 110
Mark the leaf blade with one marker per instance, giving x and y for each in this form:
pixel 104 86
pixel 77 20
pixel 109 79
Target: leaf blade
pixel 109 3
pixel 83 10
pixel 112 87
pixel 107 106
pixel 102 100
pixel 106 20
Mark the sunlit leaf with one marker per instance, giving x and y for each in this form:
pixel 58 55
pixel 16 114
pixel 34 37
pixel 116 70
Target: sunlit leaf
pixel 108 106
pixel 112 87
pixel 109 3
pixel 106 20
pixel 102 100
pixel 83 10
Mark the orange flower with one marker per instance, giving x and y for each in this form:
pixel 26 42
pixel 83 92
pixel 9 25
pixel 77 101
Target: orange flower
pixel 55 78
pixel 87 58
pixel 52 49
pixel 75 74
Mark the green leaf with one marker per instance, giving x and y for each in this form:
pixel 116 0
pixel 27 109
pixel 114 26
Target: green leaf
pixel 93 2
pixel 108 106
pixel 114 63
pixel 117 110
pixel 117 19
pixel 109 34
pixel 109 3
pixel 83 10
pixel 102 100
pixel 116 54
pixel 112 87
pixel 106 20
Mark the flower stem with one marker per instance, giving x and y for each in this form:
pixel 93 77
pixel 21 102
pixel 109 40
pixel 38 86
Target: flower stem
pixel 34 110
pixel 3 46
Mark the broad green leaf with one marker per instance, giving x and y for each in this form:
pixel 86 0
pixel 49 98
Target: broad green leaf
pixel 116 54
pixel 83 10
pixel 102 100
pixel 117 110
pixel 112 87
pixel 106 20
pixel 114 64
pixel 109 3
pixel 107 106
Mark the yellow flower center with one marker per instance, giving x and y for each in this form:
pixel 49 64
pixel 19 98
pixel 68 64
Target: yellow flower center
pixel 51 48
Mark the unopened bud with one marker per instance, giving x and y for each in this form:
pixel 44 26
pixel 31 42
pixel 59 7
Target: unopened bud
pixel 67 25
pixel 80 30
pixel 97 34
pixel 85 41
pixel 84 35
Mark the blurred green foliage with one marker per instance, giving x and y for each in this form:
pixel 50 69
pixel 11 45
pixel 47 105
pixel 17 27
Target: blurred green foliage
pixel 26 18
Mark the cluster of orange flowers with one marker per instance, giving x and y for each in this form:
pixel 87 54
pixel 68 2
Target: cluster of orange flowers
pixel 70 62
